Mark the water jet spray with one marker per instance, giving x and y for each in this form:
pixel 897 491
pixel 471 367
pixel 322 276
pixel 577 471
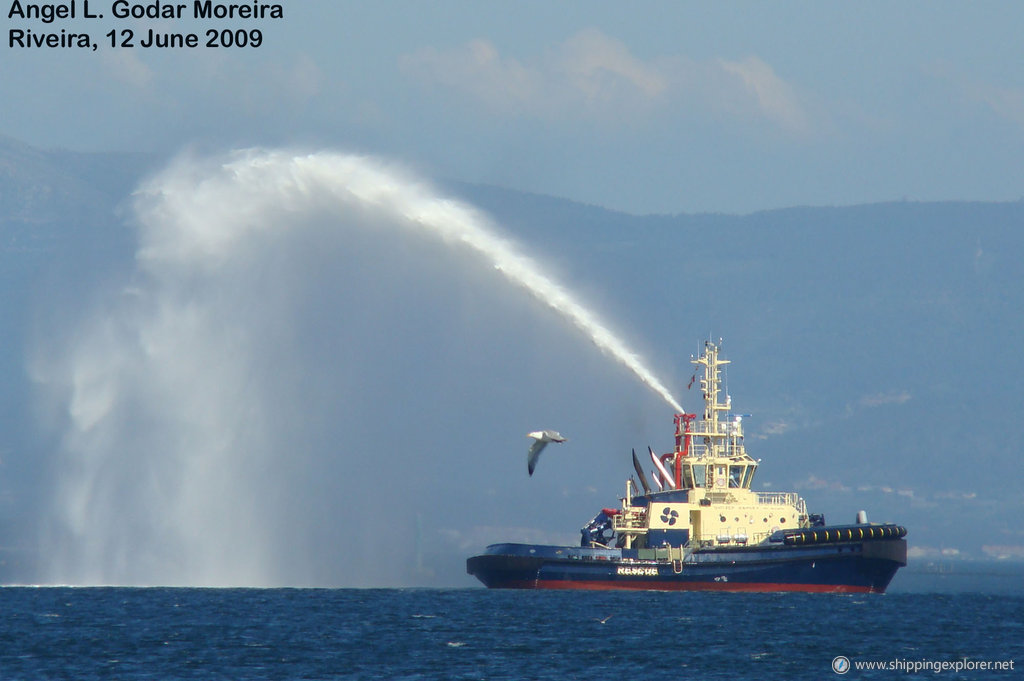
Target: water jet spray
pixel 159 387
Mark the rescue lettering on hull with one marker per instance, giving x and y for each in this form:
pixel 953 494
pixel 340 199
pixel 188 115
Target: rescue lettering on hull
pixel 637 571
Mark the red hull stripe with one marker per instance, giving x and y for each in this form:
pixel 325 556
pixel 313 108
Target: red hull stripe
pixel 592 585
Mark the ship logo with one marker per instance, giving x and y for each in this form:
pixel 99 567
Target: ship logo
pixel 669 516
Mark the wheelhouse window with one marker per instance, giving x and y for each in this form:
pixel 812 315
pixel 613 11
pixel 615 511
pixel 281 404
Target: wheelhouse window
pixel 736 476
pixel 688 476
pixel 749 477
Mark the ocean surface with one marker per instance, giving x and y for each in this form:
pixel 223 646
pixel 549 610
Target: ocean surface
pixel 185 633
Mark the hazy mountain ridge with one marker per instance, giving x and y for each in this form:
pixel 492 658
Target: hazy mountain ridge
pixel 46 196
pixel 876 346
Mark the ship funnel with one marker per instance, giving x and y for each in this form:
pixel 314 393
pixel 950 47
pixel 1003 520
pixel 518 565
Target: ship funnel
pixel 862 517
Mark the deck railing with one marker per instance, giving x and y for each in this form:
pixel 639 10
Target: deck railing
pixel 782 499
pixel 625 522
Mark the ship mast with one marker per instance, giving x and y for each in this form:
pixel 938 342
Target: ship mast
pixel 711 388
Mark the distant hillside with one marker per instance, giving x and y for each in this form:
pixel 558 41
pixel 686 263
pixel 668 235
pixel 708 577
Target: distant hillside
pixel 46 196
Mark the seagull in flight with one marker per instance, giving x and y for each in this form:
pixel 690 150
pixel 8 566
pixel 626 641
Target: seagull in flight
pixel 541 438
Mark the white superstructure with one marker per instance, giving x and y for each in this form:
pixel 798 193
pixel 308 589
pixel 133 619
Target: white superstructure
pixel 707 499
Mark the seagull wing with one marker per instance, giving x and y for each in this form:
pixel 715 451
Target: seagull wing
pixel 535 449
pixel 554 436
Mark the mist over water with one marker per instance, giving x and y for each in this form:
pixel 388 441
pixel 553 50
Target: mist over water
pixel 197 402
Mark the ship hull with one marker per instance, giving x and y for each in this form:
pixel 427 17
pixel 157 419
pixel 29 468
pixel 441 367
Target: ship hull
pixel 853 567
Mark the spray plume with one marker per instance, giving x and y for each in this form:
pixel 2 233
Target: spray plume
pixel 272 177
pixel 175 357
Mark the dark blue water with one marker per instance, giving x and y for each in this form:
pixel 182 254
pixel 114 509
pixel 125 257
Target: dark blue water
pixel 119 633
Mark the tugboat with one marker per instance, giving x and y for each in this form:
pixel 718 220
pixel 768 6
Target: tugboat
pixel 702 527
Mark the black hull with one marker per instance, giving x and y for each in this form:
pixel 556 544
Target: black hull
pixel 848 567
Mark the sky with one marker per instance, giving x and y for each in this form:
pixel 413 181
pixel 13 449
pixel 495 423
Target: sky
pixel 651 107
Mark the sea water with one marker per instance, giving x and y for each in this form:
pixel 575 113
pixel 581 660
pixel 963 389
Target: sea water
pixel 184 633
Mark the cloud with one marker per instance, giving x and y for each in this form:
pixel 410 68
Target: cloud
pixel 590 71
pixel 923 552
pixel 881 399
pixel 596 76
pixel 1003 552
pixel 773 428
pixel 197 87
pixel 775 98
pixel 1006 103
pixel 921 498
pixel 125 67
pixel 956 496
pixel 814 482
pixel 284 86
pixel 601 68
pixel 478 70
pixel 302 79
